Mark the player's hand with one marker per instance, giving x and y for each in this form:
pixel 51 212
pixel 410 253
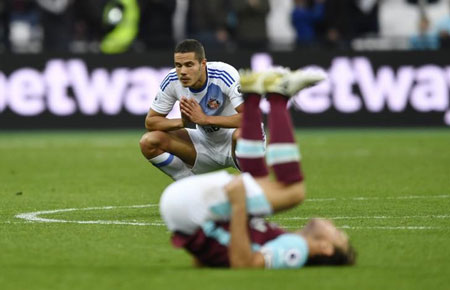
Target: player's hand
pixel 235 190
pixel 192 110
pixel 185 119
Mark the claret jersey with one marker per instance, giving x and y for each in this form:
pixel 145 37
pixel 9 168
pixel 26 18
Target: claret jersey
pixel 218 97
pixel 210 243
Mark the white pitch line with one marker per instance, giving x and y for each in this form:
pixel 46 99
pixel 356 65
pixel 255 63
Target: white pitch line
pixel 368 217
pixel 380 198
pixel 34 216
pixel 15 222
pixel 409 228
pixel 393 228
pixel 286 227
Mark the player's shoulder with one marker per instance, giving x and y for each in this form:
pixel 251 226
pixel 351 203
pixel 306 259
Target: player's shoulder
pixel 171 78
pixel 222 71
pixel 287 241
pixel 285 251
pixel 219 66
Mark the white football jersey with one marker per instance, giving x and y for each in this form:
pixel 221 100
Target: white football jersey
pixel 218 97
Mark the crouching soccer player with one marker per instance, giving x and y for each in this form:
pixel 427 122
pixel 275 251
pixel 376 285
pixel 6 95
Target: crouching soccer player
pixel 216 216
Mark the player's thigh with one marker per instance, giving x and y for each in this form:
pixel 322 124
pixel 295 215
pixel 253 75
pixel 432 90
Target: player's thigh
pixel 180 144
pixel 282 196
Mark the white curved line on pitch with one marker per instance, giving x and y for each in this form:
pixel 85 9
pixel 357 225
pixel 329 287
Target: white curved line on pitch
pixel 34 216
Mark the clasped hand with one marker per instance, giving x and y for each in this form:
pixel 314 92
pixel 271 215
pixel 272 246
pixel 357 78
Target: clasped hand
pixel 192 111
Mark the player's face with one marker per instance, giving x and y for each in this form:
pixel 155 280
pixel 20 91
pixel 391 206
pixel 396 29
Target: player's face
pixel 327 233
pixel 190 71
pixel 337 238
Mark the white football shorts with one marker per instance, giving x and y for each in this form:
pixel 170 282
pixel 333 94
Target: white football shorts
pixel 212 154
pixel 189 203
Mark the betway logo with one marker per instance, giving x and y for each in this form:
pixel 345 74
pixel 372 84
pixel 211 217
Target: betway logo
pixel 425 88
pixel 67 87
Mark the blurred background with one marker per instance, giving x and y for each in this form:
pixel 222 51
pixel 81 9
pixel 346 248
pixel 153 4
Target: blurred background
pixel 84 63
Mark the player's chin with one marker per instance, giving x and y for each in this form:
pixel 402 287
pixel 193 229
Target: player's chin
pixel 185 83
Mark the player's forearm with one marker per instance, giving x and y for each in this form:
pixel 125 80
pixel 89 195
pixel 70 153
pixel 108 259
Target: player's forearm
pixel 157 123
pixel 233 121
pixel 240 252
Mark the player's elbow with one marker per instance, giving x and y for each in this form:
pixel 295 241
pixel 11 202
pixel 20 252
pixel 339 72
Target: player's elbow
pixel 238 265
pixel 150 124
pixel 240 262
pixel 255 260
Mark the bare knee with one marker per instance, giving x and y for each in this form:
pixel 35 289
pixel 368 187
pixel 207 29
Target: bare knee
pixel 153 143
pixel 297 193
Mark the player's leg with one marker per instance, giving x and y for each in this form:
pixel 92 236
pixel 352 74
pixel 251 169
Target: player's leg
pixel 172 152
pixel 282 152
pixel 250 145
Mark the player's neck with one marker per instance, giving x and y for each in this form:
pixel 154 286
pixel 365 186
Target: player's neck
pixel 201 81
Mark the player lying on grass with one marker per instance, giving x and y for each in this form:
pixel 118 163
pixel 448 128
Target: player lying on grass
pixel 216 216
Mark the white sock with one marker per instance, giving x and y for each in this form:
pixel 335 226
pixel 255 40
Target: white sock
pixel 171 165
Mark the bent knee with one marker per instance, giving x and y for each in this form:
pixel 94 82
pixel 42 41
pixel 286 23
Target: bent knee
pixel 152 142
pixel 152 139
pixel 297 193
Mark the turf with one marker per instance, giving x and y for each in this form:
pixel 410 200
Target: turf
pixel 390 190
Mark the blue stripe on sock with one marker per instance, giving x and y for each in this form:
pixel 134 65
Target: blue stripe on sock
pixel 164 163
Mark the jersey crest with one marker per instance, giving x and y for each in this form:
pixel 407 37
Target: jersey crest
pixel 213 104
pixel 213 101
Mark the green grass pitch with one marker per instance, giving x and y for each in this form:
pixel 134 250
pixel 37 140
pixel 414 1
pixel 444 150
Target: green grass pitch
pixel 390 190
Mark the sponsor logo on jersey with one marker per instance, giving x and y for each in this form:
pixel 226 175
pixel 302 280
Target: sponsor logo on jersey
pixel 210 129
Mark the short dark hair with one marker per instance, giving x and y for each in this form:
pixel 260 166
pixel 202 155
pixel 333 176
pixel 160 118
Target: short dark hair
pixel 339 257
pixel 191 45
